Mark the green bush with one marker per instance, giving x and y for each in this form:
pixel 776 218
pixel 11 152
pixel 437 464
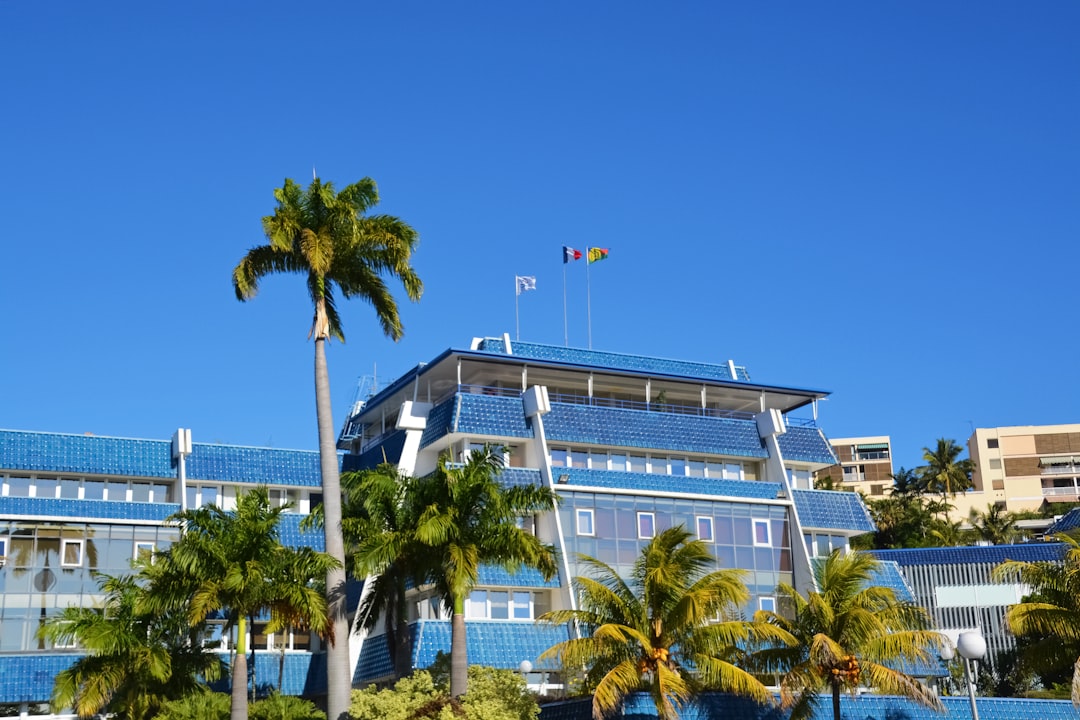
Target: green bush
pixel 285 707
pixel 197 706
pixel 493 695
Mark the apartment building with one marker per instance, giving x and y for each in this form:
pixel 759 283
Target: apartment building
pixel 864 465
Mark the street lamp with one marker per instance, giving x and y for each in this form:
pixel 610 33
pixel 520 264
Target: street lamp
pixel 971 646
pixel 525 667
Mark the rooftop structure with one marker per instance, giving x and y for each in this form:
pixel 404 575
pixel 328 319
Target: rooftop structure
pixel 633 445
pixel 865 465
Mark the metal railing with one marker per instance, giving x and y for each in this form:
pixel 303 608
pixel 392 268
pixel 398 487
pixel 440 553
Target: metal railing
pixel 1060 491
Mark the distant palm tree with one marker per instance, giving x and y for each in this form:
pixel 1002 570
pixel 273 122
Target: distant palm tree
pixel 995 525
pixel 234 562
pixel 850 633
pixel 466 517
pixel 672 628
pixel 134 661
pixel 1050 615
pixel 326 237
pixel 906 482
pixel 943 473
pixel 949 533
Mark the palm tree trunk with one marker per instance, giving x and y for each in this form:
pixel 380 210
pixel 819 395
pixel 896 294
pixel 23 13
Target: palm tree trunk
pixel 836 701
pixel 459 660
pixel 254 679
pixel 239 673
pixel 338 680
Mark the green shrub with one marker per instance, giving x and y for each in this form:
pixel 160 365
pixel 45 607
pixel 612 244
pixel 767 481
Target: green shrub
pixel 197 706
pixel 493 695
pixel 285 707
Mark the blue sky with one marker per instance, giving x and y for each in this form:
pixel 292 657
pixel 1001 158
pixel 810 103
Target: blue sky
pixel 877 199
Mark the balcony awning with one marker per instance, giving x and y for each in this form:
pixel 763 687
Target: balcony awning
pixel 1059 460
pixel 873 446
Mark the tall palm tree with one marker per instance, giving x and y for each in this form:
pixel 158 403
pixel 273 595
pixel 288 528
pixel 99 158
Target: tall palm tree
pixel 1050 615
pixel 135 660
pixel 850 634
pixel 672 628
pixel 465 517
pixel 943 473
pixel 234 562
pixel 995 525
pixel 327 237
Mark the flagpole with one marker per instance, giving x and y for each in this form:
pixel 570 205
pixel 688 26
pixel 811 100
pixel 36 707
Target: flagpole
pixel 588 293
pixel 517 320
pixel 565 332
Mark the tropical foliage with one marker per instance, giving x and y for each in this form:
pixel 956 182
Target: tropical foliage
pixel 995 525
pixel 465 517
pixel 234 563
pixel 849 634
pixel 944 473
pixel 216 706
pixel 135 659
pixel 672 628
pixel 328 238
pixel 493 695
pixel 1048 619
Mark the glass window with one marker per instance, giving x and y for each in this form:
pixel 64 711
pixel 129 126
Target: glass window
pixel 162 493
pixel 762 532
pixel 69 488
pixel 116 490
pixel 93 490
pixel 991 443
pixel 46 487
pixel 72 553
pixel 522 606
pixel 823 548
pixel 678 465
pixel 733 471
pixel 18 487
pixel 143 550
pixel 658 465
pixel 585 522
pixel 558 457
pixel 646 525
pixel 140 492
pixel 477 606
pixel 618 462
pixel 579 459
pixel 3 547
pixel 500 604
pixel 705 529
pixel 767 603
pixel 598 460
pixel 191 497
pixel 209 494
pixel 636 463
pixel 696 468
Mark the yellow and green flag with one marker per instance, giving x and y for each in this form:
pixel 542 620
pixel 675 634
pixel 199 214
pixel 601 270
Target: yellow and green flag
pixel 596 254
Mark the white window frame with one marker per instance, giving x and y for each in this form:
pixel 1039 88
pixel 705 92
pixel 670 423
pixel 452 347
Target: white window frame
pixel 582 513
pixel 767 599
pixel 698 520
pixel 755 524
pixel 64 544
pixel 530 605
pixel 652 520
pixel 143 545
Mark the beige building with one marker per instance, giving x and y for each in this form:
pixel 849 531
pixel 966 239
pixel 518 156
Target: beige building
pixel 865 465
pixel 1022 467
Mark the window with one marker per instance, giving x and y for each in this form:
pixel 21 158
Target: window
pixel 877 489
pixel 140 492
pixel 494 605
pixel 697 468
pixel 658 465
pixel 762 533
pixel 678 466
pixel 995 463
pixel 646 525
pixel 46 487
pixel 3 550
pixel 116 491
pixel 143 551
pixel 585 522
pixel 992 443
pixel 636 463
pixel 18 487
pixel 598 460
pixel 71 553
pixel 618 462
pixel 704 529
pixel 477 605
pixel 162 493
pixel 94 490
pixel 69 489
pixel 767 603
pixel 521 605
pixel 558 457
pixel 733 471
pixel 499 605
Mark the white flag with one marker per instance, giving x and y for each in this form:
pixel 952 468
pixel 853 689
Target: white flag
pixel 525 282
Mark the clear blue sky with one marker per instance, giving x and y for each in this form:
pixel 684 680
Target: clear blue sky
pixel 877 199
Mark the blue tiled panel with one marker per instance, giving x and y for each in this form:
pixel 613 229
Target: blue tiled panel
pixel 888 575
pixel 510 477
pixel 96 509
pixel 492 415
pixel 806 444
pixel 862 707
pixel 89 454
pixel 440 421
pixel 1069 521
pixel 375 661
pixel 498 576
pixel 292 536
pixel 832 510
pixel 650 482
pixel 263 466
pixel 1027 552
pixel 29 678
pixel 652 430
pixel 389 450
pixel 495 643
pixel 305 673
pixel 616 361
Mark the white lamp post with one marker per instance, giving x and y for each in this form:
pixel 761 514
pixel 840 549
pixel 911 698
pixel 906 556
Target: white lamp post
pixel 971 646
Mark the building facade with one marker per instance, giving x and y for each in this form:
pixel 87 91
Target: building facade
pixel 1022 467
pixel 864 465
pixel 633 445
pixel 73 506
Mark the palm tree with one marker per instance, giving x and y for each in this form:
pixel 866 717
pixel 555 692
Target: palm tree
pixel 948 533
pixel 465 517
pixel 135 660
pixel 326 237
pixel 906 483
pixel 1050 615
pixel 234 562
pixel 672 628
pixel 995 525
pixel 943 473
pixel 850 633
